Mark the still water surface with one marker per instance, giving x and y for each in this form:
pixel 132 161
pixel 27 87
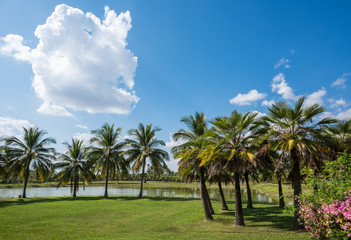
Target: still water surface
pixel 125 190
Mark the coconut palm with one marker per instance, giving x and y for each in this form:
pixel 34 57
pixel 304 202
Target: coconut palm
pixel 144 146
pixel 29 154
pixel 73 166
pixel 193 140
pixel 292 132
pixel 106 152
pixel 235 135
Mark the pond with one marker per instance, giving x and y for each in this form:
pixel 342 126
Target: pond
pixel 133 190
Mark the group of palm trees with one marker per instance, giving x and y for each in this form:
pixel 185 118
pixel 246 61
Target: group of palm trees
pixel 241 145
pixel 232 148
pixel 107 155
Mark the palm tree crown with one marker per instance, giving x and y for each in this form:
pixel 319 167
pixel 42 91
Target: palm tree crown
pixel 143 146
pixel 293 132
pixel 73 165
pixel 31 153
pixel 106 152
pixel 193 141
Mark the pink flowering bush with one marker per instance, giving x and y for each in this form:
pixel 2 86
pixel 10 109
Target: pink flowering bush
pixel 326 213
pixel 331 221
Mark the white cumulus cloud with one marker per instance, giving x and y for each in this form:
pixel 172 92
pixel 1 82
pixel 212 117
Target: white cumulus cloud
pixel 336 102
pixel 267 103
pixel 340 82
pixel 315 98
pixel 51 109
pixel 248 98
pixel 13 127
pixel 85 137
pixel 344 115
pixel 259 114
pixel 280 86
pixel 80 63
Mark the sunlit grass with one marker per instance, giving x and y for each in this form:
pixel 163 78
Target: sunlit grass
pixel 133 218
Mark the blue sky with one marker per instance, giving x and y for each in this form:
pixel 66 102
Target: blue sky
pixel 162 60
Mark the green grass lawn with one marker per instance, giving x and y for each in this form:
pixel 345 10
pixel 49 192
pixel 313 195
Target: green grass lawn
pixel 133 218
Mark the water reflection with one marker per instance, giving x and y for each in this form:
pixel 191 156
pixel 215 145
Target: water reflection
pixel 124 190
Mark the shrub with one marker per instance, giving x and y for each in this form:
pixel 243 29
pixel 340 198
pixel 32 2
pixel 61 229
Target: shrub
pixel 327 211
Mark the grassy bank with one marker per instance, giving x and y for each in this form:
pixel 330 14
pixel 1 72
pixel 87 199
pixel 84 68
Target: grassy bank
pixel 132 218
pixel 271 189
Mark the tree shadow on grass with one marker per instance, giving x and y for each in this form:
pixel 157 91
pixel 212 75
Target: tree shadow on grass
pixel 21 201
pixel 270 216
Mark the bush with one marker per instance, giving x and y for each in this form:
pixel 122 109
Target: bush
pixel 327 211
pixel 325 220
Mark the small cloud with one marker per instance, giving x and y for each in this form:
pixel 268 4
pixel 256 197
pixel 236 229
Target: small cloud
pixel 280 86
pixel 345 115
pixel 81 126
pixel 259 114
pixel 10 107
pixel 173 164
pixel 283 61
pixel 335 103
pixel 85 137
pixel 248 98
pixel 267 103
pixel 315 98
pixel 11 126
pixel 292 51
pixel 340 82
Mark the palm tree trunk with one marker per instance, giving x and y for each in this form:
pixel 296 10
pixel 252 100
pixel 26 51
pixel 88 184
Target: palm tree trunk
pixel 208 199
pixel 142 179
pixel 75 187
pixel 26 177
pixel 296 183
pixel 106 184
pixel 281 196
pixel 224 204
pixel 203 190
pixel 249 198
pixel 239 216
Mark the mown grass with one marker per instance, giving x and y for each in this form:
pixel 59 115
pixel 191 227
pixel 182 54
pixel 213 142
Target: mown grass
pixel 133 218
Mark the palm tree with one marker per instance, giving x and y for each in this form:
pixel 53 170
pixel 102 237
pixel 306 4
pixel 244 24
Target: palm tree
pixel 106 152
pixel 74 166
pixel 292 132
pixel 30 154
pixel 144 146
pixel 340 136
pixel 249 172
pixel 218 175
pixel 235 137
pixel 194 141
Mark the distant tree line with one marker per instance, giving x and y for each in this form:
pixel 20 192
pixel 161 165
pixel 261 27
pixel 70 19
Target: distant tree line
pixel 106 157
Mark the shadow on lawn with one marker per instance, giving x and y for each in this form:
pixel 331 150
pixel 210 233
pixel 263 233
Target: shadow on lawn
pixel 270 216
pixel 21 201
